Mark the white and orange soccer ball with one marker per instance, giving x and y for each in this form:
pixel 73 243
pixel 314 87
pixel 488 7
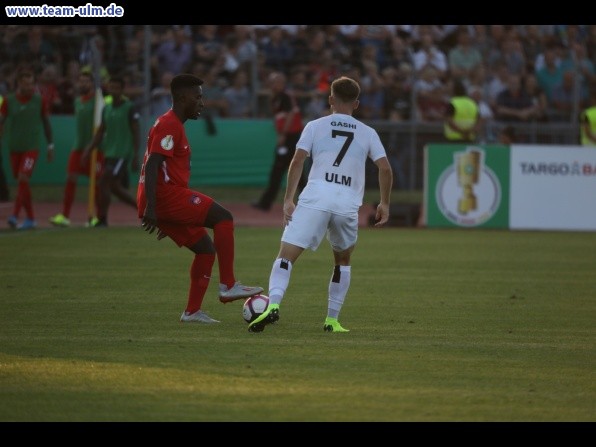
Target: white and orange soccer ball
pixel 254 306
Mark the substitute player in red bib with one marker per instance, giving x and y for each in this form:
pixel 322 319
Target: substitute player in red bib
pixel 84 114
pixel 166 203
pixel 25 114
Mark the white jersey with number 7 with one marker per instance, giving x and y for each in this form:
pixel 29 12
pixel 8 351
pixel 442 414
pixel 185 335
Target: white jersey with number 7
pixel 339 146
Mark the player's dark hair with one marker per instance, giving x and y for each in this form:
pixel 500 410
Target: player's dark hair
pixel 345 89
pixel 183 82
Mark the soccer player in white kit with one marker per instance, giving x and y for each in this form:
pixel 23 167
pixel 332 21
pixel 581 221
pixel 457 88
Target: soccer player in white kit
pixel 339 146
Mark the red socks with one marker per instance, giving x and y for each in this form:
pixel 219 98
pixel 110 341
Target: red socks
pixel 69 195
pixel 23 200
pixel 200 274
pixel 223 239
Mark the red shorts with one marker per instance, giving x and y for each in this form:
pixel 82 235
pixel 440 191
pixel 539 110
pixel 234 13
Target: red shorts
pixel 23 162
pixel 181 213
pixel 75 167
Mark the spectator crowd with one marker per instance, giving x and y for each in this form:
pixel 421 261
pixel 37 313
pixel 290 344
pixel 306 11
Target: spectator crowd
pixel 516 73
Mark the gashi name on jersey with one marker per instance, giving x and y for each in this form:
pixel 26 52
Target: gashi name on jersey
pixel 333 177
pixel 342 124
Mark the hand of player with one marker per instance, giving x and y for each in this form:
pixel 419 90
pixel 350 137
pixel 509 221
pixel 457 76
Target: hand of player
pixel 289 208
pixel 382 215
pixel 85 157
pixel 149 221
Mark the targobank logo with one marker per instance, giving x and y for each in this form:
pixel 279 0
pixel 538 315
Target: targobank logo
pixel 468 192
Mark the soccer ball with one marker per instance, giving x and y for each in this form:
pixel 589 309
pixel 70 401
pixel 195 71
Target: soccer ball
pixel 254 306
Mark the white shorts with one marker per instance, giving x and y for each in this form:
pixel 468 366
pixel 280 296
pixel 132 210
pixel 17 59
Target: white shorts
pixel 308 226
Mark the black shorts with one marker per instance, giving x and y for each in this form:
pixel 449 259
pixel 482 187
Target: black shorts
pixel 116 166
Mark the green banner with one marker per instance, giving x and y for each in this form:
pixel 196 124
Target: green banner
pixel 467 185
pixel 232 152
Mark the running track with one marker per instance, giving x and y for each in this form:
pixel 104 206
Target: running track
pixel 123 215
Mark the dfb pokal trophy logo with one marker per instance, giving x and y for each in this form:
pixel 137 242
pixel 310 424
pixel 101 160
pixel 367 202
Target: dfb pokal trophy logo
pixel 468 166
pixel 468 192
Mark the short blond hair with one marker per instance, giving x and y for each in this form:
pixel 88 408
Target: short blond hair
pixel 345 89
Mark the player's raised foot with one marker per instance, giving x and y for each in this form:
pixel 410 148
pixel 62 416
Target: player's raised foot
pixel 237 292
pixel 198 317
pixel 332 325
pixel 271 315
pixel 13 222
pixel 28 224
pixel 60 220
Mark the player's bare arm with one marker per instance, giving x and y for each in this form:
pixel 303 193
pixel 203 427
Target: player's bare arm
pixel 97 137
pixel 149 220
pixel 47 128
pixel 294 174
pixel 385 185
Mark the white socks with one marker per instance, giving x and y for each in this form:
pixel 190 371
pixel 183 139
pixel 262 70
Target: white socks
pixel 279 280
pixel 338 288
pixel 338 285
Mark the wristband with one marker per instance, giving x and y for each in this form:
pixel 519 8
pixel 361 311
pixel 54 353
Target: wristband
pixel 51 146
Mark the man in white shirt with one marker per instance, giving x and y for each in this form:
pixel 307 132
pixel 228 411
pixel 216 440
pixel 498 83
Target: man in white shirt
pixel 429 54
pixel 339 146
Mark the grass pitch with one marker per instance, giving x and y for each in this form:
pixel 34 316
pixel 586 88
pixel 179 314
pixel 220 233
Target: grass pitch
pixel 446 325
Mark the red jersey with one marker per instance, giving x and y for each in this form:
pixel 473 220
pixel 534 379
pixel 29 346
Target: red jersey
pixel 282 104
pixel 168 137
pixel 180 211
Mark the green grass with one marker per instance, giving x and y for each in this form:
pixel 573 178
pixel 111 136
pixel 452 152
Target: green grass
pixel 446 325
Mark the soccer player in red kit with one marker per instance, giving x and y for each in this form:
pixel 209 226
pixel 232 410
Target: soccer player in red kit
pixel 166 203
pixel 25 114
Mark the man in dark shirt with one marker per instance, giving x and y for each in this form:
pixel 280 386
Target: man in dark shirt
pixel 514 103
pixel 288 125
